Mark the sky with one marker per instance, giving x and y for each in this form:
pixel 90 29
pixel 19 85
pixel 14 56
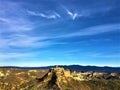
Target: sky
pixel 59 32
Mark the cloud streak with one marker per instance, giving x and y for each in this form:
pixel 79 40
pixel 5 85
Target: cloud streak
pixel 27 41
pixel 47 16
pixel 95 30
pixel 23 41
pixel 117 55
pixel 13 19
pixel 15 55
pixel 73 15
pixel 4 20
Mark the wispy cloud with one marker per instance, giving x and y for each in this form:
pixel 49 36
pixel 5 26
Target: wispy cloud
pixel 98 55
pixel 25 27
pixel 12 18
pixel 14 55
pixel 73 15
pixel 15 24
pixel 27 41
pixel 20 56
pixel 94 30
pixel 23 41
pixel 4 20
pixel 53 15
pixel 81 11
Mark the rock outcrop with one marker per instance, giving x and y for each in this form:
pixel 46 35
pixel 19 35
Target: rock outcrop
pixel 86 76
pixel 52 80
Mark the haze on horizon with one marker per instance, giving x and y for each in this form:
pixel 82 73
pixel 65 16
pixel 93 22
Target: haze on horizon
pixel 59 32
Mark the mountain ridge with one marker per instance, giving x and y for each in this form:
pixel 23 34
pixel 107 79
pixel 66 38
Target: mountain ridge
pixel 73 68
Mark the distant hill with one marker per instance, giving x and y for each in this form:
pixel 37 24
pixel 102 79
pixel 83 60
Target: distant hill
pixel 73 68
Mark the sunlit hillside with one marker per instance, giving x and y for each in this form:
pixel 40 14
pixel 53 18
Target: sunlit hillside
pixel 57 79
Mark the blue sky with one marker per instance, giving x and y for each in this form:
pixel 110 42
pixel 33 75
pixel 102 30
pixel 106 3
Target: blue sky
pixel 50 32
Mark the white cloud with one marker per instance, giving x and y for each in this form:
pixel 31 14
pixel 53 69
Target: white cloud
pixel 47 16
pixel 76 12
pixel 73 15
pixel 58 15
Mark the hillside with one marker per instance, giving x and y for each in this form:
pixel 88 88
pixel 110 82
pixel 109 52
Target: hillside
pixel 57 79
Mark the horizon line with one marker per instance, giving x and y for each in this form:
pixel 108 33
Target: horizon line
pixel 60 65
